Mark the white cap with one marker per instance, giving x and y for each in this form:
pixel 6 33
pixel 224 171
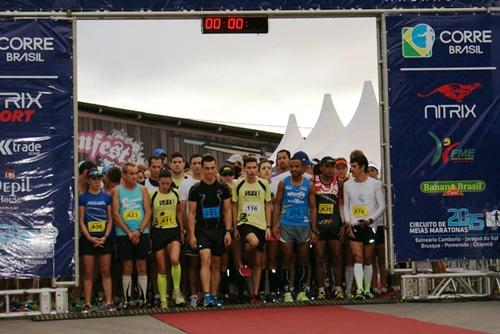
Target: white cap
pixel 372 164
pixel 235 158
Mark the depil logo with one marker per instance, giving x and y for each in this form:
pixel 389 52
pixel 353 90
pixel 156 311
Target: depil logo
pixel 455 92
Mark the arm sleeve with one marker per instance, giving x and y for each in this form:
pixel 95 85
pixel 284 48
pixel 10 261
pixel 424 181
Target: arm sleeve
pixel 347 206
pixel 379 198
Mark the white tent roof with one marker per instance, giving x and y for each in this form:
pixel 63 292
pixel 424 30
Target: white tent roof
pixel 290 139
pixel 362 133
pixel 327 126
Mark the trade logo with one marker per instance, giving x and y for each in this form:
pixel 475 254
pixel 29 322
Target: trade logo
pixel 452 188
pixel 449 151
pixel 493 218
pixel 417 42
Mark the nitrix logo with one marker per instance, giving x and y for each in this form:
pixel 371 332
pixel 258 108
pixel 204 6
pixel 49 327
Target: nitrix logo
pixel 447 150
pixel 455 92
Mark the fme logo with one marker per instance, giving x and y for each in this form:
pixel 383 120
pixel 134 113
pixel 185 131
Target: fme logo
pixel 417 41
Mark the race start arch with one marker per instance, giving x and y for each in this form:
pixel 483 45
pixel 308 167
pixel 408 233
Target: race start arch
pixel 439 97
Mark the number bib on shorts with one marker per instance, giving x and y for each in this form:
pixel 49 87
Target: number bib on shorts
pixel 96 226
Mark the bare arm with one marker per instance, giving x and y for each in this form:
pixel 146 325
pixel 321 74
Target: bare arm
pixel 277 205
pixel 313 210
pixel 116 213
pixel 147 209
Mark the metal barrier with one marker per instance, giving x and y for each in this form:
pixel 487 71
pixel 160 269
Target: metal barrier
pixel 46 296
pixel 466 284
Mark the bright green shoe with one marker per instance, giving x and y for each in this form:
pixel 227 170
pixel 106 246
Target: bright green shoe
pixel 339 294
pixel 369 295
pixel 287 297
pixel 360 295
pixel 302 297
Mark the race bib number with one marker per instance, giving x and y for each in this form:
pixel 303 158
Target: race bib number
pixel 165 221
pixel 360 211
pixel 129 215
pixel 96 226
pixel 325 209
pixel 211 213
pixel 297 213
pixel 252 208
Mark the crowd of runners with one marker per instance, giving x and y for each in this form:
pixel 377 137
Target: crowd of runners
pixel 247 230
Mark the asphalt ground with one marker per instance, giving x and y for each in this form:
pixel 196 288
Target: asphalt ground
pixel 481 316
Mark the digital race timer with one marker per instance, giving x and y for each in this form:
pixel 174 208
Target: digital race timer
pixel 234 25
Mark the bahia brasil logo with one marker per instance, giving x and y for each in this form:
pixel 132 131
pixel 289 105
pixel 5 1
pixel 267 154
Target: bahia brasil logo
pixel 447 150
pixel 417 41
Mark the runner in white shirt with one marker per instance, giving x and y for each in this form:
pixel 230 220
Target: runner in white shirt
pixel 363 204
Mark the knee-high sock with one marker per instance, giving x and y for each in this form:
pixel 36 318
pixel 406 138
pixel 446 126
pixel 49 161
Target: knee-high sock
pixel 273 280
pixel 127 286
pixel 143 285
pixel 176 275
pixel 358 275
pixel 349 277
pixel 162 287
pixel 368 273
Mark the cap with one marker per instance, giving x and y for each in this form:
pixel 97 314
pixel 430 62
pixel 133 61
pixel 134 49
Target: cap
pixel 159 152
pixel 226 170
pixel 86 164
pixel 372 164
pixel 235 158
pixel 341 161
pixel 327 161
pixel 94 172
pixel 301 155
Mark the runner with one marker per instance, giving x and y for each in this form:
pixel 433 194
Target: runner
pixel 329 223
pixel 177 167
pixel 155 165
pixel 111 179
pixel 363 204
pixel 295 223
pixel 160 153
pixel 272 243
pixel 167 236
pixel 96 223
pixel 252 219
pixel 236 162
pixel 283 159
pixel 209 226
pixel 132 212
pixel 192 256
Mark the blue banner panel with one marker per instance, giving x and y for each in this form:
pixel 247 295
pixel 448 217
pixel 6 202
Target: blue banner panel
pixel 444 96
pixel 36 149
pixel 197 5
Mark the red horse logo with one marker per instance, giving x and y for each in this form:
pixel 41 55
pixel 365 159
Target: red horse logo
pixel 453 91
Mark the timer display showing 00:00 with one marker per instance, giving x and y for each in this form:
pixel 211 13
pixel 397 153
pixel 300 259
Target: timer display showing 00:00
pixel 237 25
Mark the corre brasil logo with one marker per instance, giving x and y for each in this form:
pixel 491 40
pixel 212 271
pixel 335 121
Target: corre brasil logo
pixel 447 150
pixel 452 188
pixel 417 41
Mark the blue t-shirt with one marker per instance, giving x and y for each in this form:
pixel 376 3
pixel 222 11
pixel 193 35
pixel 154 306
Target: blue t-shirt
pixel 96 215
pixel 295 204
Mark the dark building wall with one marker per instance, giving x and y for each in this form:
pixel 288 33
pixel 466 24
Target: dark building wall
pixel 174 134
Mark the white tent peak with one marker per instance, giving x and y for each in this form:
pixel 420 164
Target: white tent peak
pixel 362 132
pixel 327 126
pixel 291 138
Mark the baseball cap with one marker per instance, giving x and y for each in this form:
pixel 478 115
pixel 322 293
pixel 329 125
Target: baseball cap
pixel 327 161
pixel 86 164
pixel 235 158
pixel 341 161
pixel 226 170
pixel 301 155
pixel 94 172
pixel 159 152
pixel 372 164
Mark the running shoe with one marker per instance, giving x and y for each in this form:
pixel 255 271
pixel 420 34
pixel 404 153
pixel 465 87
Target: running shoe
pixel 360 294
pixel 108 307
pixel 273 297
pixel 262 296
pixel 302 297
pixel 369 295
pixel 178 297
pixel 390 294
pixel 216 301
pixel 193 301
pixel 255 300
pixel 208 300
pixel 245 271
pixel 164 305
pixel 321 295
pixel 338 294
pixel 288 298
pixel 87 308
